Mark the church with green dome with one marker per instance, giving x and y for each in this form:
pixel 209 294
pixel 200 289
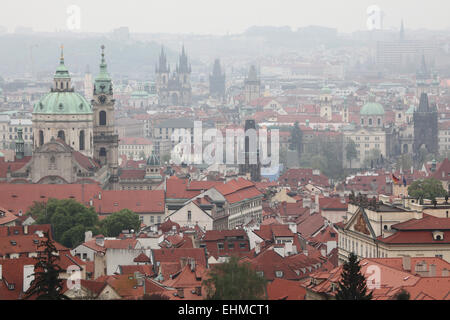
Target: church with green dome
pixel 75 139
pixel 64 114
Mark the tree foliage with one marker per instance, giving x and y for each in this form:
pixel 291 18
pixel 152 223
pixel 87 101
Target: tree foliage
pixel 69 219
pixel 235 281
pixel 47 284
pixel 353 283
pixel 124 219
pixel 426 189
pixel 296 138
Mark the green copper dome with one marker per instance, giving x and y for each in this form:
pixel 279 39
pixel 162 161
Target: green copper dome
pixel 372 109
pixel 63 103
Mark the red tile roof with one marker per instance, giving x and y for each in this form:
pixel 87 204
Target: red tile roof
pixel 142 258
pixel 281 289
pixel 176 254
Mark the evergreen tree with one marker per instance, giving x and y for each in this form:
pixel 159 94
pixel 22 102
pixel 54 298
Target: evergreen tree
pixel 235 281
pixel 353 283
pixel 47 284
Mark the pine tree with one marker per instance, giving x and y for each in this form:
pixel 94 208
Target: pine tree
pixel 47 285
pixel 353 283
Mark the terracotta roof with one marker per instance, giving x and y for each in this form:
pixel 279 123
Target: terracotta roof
pixel 428 222
pixel 177 188
pixel 176 254
pixel 308 225
pixel 142 258
pixel 6 216
pixel 146 269
pixel 281 289
pixel 14 165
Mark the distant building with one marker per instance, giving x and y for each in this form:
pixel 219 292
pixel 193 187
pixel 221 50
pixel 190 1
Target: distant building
pixel 217 81
pixel 425 127
pixel 174 88
pixel 252 164
pixel 252 86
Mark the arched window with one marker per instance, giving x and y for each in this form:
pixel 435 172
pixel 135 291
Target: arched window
pixel 379 121
pixel 82 140
pixel 62 135
pixel 41 137
pixel 370 121
pixel 102 118
pixel 362 121
pixel 102 152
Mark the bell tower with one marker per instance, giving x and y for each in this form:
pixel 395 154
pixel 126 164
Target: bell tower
pixel 106 142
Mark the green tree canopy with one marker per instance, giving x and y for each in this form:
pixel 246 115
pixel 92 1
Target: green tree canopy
pixel 235 281
pixel 47 284
pixel 69 219
pixel 426 189
pixel 402 295
pixel 296 138
pixel 124 219
pixel 353 283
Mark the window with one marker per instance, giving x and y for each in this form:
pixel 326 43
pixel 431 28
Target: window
pixel 41 137
pixel 82 140
pixel 242 245
pixel 220 246
pixel 102 118
pixel 84 256
pixel 61 135
pixel 230 246
pixel 189 216
pixel 152 219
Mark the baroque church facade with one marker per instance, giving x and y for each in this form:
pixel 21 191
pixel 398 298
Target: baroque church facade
pixel 174 88
pixel 74 139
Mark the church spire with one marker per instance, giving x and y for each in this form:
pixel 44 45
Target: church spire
pixel 402 31
pixel 103 83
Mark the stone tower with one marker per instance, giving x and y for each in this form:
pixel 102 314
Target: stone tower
pixel 106 142
pixel 250 166
pixel 252 85
pixel 162 77
pixel 425 126
pixel 217 81
pixel 184 77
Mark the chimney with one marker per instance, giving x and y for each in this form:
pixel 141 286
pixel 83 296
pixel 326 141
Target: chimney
pixel 87 236
pixel 198 291
pixel 305 252
pixel 432 270
pixel 192 263
pixel 99 196
pixel 180 293
pixel 406 263
pixel 25 229
pixel 183 262
pixel 28 276
pixel 100 240
pixel 1 272
pixel 293 227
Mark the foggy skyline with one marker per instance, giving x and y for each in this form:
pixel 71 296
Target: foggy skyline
pixel 220 17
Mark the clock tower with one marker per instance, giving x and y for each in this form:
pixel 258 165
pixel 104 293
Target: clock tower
pixel 106 141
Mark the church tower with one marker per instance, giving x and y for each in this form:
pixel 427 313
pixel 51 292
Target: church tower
pixel 252 86
pixel 106 142
pixel 162 78
pixel 425 127
pixel 184 76
pixel 217 81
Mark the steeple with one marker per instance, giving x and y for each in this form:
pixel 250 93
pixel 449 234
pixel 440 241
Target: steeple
pixel 162 68
pixel 183 64
pixel 103 83
pixel 62 77
pixel 402 32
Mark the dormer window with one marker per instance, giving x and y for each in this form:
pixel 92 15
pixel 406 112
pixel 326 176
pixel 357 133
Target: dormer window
pixel 279 274
pixel 438 235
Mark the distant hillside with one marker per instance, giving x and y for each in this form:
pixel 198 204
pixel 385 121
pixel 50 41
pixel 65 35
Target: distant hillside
pixel 133 58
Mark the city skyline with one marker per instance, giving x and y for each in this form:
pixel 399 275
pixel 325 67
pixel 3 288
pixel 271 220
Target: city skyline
pixel 212 17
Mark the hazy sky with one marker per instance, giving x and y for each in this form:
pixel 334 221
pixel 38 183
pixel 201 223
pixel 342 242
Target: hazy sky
pixel 220 16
